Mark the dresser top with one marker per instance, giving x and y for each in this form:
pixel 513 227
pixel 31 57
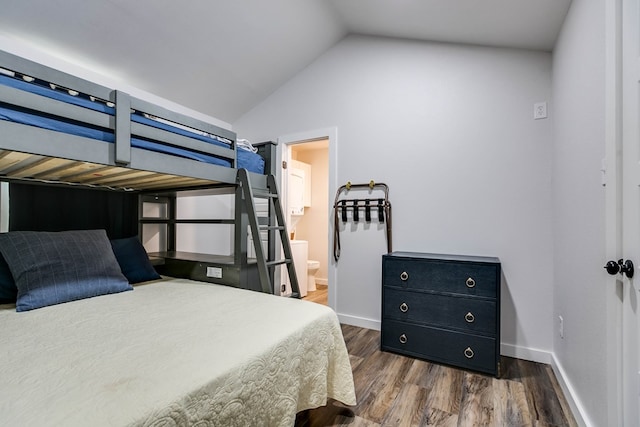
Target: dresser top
pixel 444 257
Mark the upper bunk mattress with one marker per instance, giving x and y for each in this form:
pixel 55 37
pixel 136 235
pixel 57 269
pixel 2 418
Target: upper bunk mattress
pixel 245 159
pixel 172 352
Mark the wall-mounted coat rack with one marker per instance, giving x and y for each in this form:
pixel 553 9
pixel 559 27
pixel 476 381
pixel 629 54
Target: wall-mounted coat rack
pixel 342 206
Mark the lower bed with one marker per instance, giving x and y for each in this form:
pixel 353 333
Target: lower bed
pixel 171 352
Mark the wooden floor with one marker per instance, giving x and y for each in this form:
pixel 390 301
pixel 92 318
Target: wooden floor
pixel 320 295
pixel 394 390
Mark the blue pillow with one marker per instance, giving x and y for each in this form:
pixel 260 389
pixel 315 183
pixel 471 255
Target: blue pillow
pixel 133 260
pixel 55 267
pixel 8 290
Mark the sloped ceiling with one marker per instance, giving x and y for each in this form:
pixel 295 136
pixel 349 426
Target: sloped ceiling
pixel 222 57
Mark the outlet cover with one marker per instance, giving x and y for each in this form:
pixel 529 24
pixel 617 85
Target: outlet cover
pixel 215 272
pixel 540 110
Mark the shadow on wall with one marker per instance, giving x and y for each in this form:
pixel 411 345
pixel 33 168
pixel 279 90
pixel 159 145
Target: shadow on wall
pixel 509 323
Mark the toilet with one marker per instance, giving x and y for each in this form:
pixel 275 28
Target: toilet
pixel 312 269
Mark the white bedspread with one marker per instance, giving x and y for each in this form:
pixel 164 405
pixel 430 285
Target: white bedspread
pixel 172 352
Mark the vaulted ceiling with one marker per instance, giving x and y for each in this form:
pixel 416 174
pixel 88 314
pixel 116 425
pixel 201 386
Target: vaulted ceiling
pixel 222 57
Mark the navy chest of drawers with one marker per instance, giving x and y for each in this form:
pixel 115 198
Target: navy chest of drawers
pixel 442 308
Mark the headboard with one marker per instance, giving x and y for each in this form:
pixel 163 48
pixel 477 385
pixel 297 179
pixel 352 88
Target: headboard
pixel 52 208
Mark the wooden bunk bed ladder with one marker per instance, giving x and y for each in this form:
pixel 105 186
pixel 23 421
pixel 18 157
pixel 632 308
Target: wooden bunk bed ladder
pixel 268 262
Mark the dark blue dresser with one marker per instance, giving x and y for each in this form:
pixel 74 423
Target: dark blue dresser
pixel 442 308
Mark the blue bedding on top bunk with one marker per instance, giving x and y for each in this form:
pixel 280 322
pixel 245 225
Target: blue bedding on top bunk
pixel 55 124
pixel 246 159
pixel 80 101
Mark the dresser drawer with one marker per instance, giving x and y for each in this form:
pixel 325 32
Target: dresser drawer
pixel 467 314
pixel 440 345
pixel 442 276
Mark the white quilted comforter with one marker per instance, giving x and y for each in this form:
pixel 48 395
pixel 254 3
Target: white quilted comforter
pixel 171 353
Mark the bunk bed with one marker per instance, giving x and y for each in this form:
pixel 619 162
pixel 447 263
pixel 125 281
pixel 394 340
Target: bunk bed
pixel 101 136
pixel 59 128
pixel 155 350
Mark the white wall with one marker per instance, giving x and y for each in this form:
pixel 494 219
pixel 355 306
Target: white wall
pixel 579 234
pixel 216 239
pixel 450 129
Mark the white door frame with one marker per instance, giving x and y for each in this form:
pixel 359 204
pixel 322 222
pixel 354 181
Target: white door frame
pixel 613 206
pixel 331 134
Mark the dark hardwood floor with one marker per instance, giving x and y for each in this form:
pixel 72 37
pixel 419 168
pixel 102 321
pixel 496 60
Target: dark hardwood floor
pixel 394 390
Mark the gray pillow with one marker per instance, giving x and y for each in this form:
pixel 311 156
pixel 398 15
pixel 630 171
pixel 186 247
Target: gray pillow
pixel 55 267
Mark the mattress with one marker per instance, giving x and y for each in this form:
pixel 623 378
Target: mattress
pixel 171 352
pixel 245 159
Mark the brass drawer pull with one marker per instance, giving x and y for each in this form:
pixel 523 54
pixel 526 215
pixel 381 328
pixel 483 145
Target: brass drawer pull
pixel 404 276
pixel 469 317
pixel 468 353
pixel 470 282
pixel 404 307
pixel 403 339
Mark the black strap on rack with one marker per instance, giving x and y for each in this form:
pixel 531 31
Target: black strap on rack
pixel 384 210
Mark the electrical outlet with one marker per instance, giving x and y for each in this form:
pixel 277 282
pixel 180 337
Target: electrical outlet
pixel 561 326
pixel 540 110
pixel 215 272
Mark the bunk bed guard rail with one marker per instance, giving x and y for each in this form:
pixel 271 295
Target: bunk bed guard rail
pixel 38 103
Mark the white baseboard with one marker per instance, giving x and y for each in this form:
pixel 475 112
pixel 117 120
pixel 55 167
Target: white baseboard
pixel 569 393
pixel 525 353
pixel 360 322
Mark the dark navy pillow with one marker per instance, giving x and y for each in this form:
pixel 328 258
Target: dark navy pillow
pixel 8 289
pixel 133 260
pixel 55 267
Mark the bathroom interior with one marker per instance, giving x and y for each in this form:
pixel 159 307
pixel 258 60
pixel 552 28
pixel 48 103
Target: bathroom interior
pixel 308 215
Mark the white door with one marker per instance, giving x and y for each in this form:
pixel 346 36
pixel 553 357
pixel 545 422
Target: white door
pixel 631 210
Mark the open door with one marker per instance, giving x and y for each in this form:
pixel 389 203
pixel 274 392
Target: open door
pixel 623 211
pixel 630 212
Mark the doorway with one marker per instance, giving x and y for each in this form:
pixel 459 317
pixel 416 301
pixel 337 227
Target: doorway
pixel 310 224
